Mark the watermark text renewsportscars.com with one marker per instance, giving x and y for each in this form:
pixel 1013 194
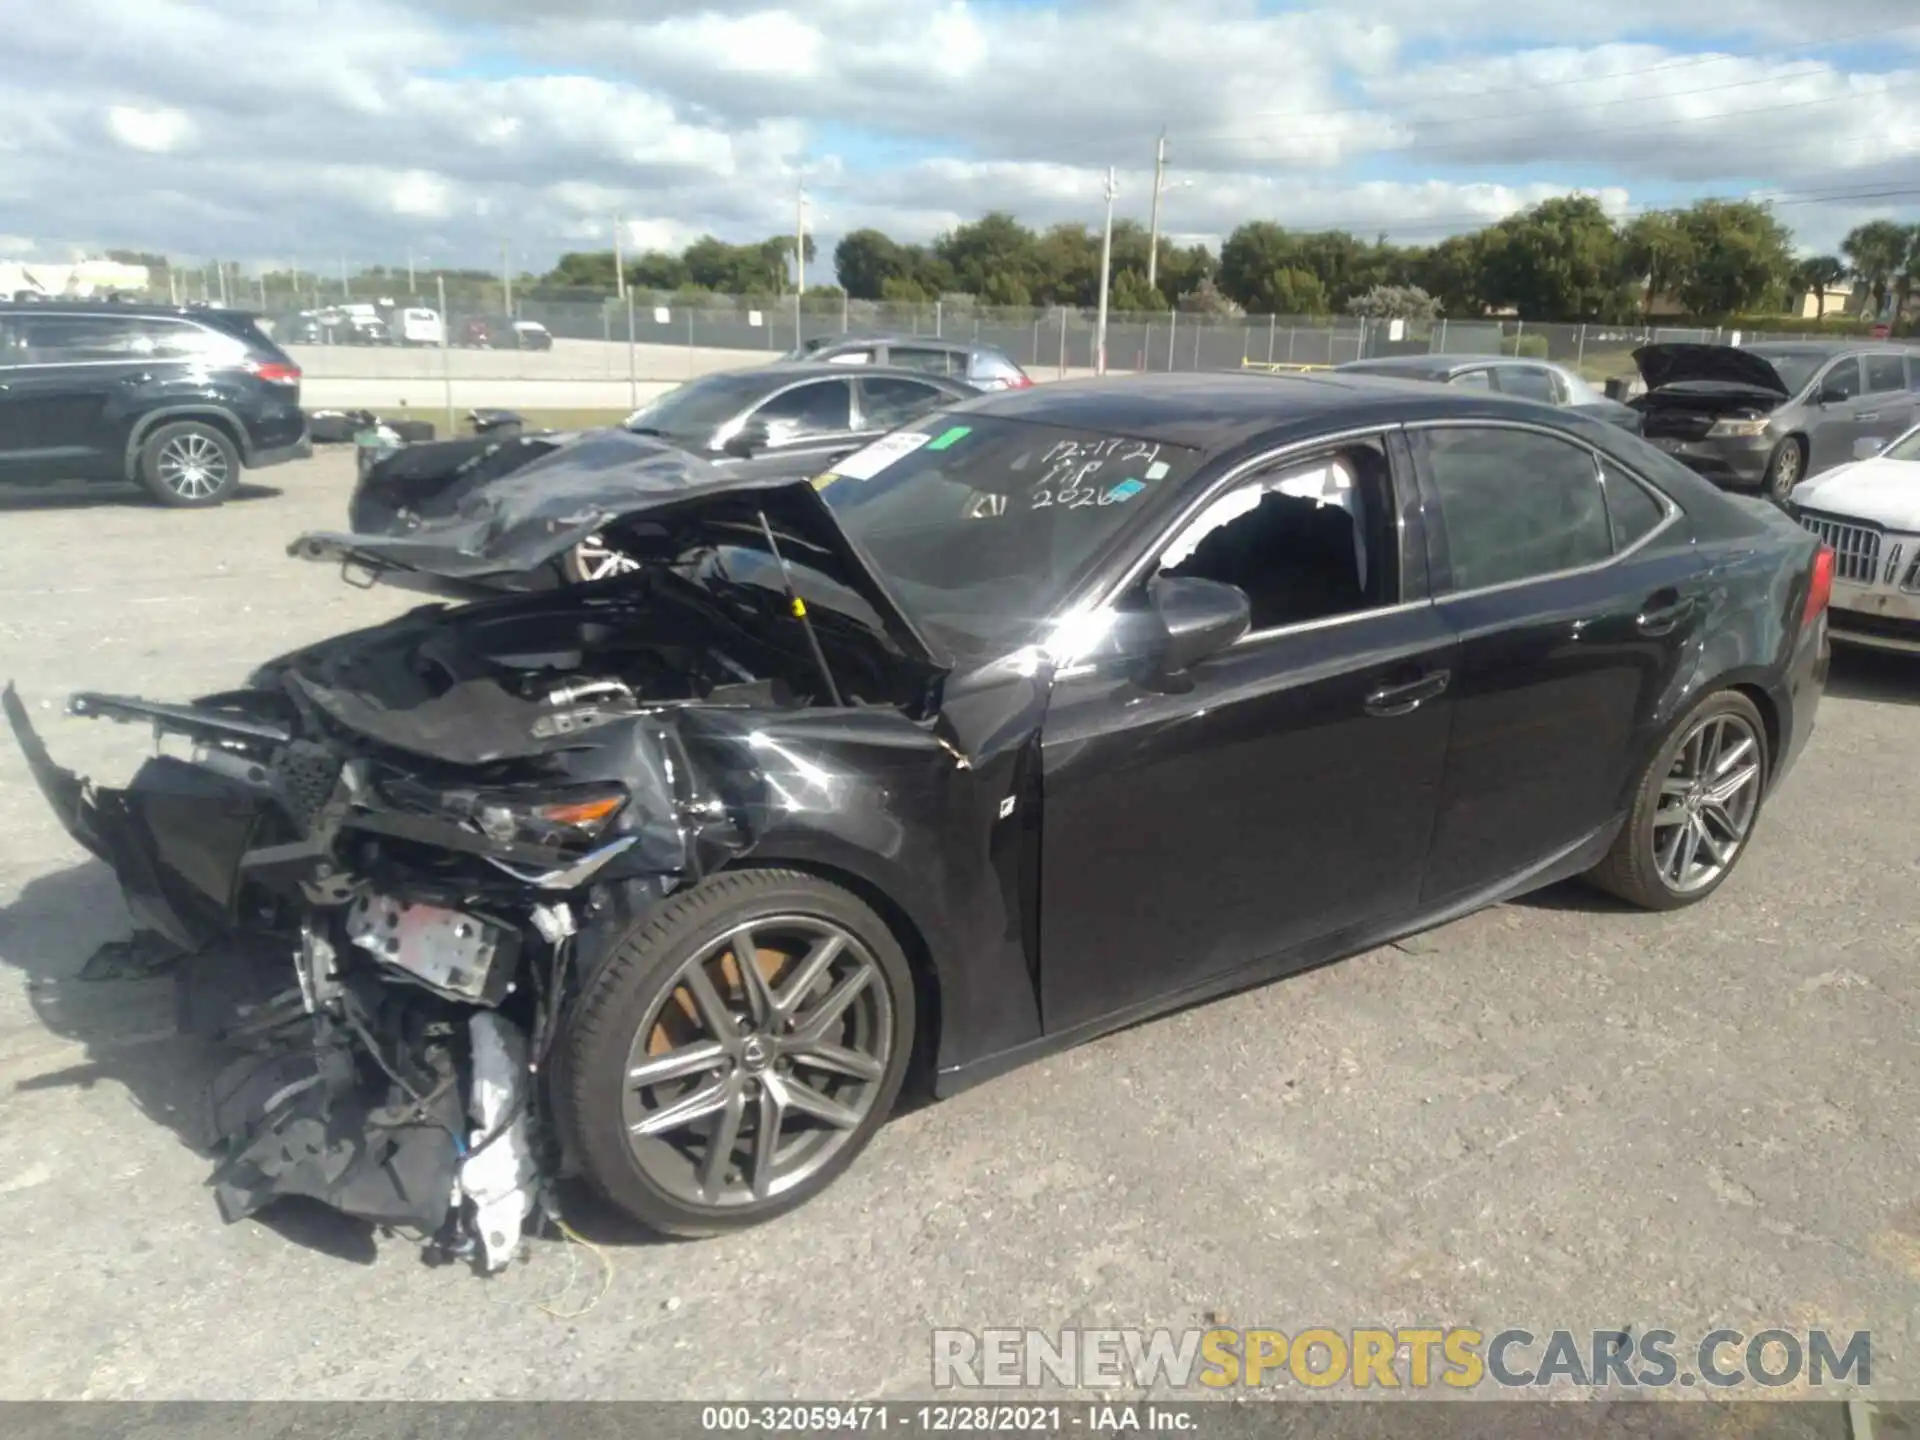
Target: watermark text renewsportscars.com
pixel 1437 1358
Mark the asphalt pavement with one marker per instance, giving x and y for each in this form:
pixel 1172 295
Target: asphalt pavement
pixel 1556 1114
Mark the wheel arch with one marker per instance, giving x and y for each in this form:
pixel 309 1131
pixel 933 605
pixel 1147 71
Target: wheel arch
pixel 217 416
pixel 1764 702
pixel 906 930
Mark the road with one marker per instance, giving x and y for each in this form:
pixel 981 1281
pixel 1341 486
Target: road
pixel 1554 1114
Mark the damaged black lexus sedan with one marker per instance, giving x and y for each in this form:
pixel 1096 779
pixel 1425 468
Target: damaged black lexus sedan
pixel 1057 709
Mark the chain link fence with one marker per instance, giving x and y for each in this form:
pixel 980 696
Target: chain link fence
pixel 651 337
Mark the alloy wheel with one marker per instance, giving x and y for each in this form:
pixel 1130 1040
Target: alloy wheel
pixel 594 559
pixel 193 466
pixel 1786 470
pixel 1707 803
pixel 761 1058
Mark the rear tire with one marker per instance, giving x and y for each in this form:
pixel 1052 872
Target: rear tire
pixel 189 465
pixel 1785 469
pixel 759 998
pixel 1690 821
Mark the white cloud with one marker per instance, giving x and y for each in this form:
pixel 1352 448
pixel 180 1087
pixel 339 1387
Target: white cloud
pixel 454 126
pixel 158 132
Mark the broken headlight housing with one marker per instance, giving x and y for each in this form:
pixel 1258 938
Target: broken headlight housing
pixel 559 816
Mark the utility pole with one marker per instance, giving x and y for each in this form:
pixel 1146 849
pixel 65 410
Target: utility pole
pixel 800 245
pixel 506 278
pixel 1106 269
pixel 411 290
pixel 619 261
pixel 1153 225
pixel 346 291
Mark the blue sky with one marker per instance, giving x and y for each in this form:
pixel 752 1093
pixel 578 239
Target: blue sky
pixel 451 127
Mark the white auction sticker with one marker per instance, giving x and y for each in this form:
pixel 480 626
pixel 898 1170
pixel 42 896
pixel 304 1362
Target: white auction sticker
pixel 867 463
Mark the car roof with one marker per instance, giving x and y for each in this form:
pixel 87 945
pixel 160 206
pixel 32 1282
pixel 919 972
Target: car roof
pixel 1437 364
pixel 787 372
pixel 1218 411
pixel 117 307
pixel 920 342
pixel 784 370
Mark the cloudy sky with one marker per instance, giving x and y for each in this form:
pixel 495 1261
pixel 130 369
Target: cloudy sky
pixel 268 130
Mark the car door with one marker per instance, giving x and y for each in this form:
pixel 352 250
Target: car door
pixel 1886 408
pixel 61 395
pixel 1283 791
pixel 890 401
pixel 808 426
pixel 1833 417
pixel 1574 594
pixel 16 432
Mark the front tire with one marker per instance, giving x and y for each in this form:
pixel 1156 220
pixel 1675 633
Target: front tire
pixel 1785 469
pixel 737 1051
pixel 189 465
pixel 1694 810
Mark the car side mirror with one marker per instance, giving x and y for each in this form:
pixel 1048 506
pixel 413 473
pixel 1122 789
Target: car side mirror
pixel 748 440
pixel 1833 395
pixel 1197 618
pixel 1867 447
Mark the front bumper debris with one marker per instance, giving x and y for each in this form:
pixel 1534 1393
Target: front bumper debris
pixel 391 1088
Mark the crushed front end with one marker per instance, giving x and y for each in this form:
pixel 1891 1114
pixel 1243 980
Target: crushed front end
pixel 385 937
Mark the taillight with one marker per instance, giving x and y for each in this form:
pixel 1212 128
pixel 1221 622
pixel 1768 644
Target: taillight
pixel 1820 588
pixel 1020 382
pixel 273 371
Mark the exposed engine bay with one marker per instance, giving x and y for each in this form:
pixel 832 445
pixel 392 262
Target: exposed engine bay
pixel 382 867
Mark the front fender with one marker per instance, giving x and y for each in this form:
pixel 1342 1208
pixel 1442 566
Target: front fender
pixel 875 798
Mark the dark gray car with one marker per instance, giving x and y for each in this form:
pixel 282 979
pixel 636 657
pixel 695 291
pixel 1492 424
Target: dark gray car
pixel 981 366
pixel 1541 381
pixel 1764 417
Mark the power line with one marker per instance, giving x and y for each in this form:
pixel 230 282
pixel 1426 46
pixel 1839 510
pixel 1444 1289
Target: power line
pixel 1690 62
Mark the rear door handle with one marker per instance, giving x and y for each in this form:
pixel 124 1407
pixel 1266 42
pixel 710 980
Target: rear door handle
pixel 1661 614
pixel 1404 699
pixel 1867 419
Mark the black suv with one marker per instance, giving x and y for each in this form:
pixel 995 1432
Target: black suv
pixel 176 400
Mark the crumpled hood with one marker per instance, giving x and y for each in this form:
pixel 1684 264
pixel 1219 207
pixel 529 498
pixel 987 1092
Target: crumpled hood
pixel 1884 492
pixel 1724 364
pixel 498 514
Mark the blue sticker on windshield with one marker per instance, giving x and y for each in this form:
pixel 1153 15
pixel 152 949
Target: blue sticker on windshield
pixel 1125 490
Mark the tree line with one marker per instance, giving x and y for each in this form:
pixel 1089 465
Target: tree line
pixel 1563 259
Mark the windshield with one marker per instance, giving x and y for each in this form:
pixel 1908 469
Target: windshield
pixel 981 529
pixel 1907 447
pixel 694 410
pixel 1795 367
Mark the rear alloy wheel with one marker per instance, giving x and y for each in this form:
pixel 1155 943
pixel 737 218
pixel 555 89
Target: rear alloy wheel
pixel 189 464
pixel 1695 809
pixel 738 1051
pixel 593 559
pixel 1784 470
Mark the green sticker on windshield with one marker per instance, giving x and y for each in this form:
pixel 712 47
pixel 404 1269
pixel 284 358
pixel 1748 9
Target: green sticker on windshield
pixel 950 437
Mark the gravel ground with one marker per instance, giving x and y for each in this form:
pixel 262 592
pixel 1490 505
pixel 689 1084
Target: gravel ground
pixel 1554 1114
